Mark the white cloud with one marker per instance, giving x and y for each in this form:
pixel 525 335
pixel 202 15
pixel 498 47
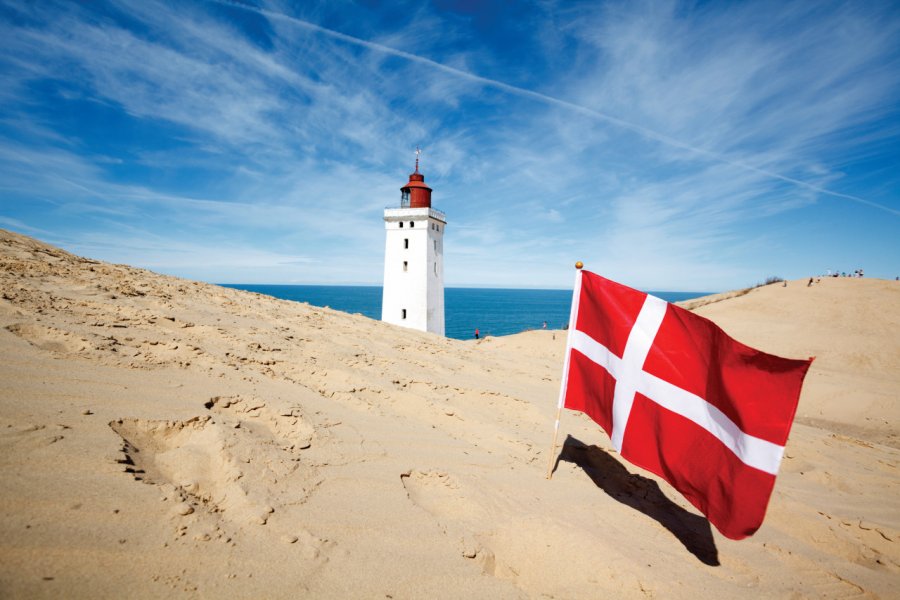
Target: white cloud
pixel 658 141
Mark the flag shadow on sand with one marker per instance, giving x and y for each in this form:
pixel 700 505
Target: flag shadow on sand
pixel 642 494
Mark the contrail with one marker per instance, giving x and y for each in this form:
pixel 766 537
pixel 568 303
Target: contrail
pixel 544 98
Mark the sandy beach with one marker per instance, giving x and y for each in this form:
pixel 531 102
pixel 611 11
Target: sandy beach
pixel 168 438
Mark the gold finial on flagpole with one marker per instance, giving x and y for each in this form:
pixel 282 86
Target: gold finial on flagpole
pixel 579 265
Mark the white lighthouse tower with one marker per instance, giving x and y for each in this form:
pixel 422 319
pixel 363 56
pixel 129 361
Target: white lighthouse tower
pixel 413 293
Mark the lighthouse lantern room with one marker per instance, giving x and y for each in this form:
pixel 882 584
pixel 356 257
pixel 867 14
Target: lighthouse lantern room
pixel 413 293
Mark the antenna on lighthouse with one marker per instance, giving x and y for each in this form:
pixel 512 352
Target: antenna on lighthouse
pixel 418 152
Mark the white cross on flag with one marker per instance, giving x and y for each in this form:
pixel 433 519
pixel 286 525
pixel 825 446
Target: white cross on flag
pixel 682 399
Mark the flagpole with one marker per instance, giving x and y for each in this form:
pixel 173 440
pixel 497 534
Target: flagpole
pixel 573 315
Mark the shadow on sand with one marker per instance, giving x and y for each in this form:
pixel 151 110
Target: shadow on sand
pixel 642 494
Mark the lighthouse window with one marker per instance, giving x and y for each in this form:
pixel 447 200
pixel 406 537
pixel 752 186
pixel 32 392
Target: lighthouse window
pixel 435 245
pixel 405 243
pixel 405 265
pixel 401 224
pixel 412 223
pixel 402 313
pixel 435 268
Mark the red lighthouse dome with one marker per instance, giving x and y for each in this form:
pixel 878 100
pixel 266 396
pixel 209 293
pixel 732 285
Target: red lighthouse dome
pixel 415 194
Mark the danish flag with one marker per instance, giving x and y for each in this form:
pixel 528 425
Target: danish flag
pixel 680 398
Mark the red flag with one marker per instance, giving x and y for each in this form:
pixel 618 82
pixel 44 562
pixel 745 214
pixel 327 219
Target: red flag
pixel 682 399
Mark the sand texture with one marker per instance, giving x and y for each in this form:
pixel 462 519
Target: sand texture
pixel 165 438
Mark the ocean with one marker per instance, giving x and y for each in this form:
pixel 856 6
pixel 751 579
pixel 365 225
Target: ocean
pixel 492 311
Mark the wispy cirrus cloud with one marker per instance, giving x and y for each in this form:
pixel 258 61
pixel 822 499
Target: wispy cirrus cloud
pixel 708 78
pixel 668 143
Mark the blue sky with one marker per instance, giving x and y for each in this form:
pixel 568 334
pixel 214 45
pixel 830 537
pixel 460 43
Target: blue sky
pixel 696 146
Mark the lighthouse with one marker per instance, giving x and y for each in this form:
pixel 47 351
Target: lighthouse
pixel 413 294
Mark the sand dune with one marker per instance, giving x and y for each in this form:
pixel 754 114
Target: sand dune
pixel 851 326
pixel 163 437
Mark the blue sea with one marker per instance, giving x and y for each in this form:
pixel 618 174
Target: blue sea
pixel 492 311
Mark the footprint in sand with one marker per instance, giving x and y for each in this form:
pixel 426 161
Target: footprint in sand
pixel 821 582
pixel 443 498
pixel 29 437
pixel 310 546
pixel 196 457
pixel 287 425
pixel 437 493
pixel 50 338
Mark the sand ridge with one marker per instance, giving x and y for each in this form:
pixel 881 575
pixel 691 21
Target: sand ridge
pixel 167 437
pixel 851 327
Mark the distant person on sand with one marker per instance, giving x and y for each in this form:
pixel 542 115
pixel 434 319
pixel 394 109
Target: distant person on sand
pixel 545 324
pixel 810 282
pixel 476 333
